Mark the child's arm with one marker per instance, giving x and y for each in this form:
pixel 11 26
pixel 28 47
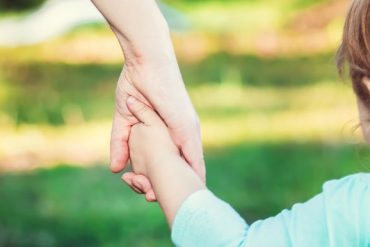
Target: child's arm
pixel 154 155
pixel 196 216
pixel 337 217
pixel 173 181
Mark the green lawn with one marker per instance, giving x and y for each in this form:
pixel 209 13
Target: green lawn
pixel 268 123
pixel 69 206
pixel 274 128
pixel 91 86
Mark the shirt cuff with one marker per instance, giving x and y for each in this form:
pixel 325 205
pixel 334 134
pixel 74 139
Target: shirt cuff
pixel 205 220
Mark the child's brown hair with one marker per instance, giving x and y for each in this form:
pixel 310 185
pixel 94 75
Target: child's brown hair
pixel 355 47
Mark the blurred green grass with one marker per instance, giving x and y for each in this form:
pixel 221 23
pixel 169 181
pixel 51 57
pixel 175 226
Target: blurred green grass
pixel 69 206
pixel 91 86
pixel 271 128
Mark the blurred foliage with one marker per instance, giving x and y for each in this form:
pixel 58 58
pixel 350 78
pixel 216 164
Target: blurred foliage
pixel 305 3
pixel 294 2
pixel 91 207
pixel 41 93
pixel 16 5
pixel 262 71
pixel 268 123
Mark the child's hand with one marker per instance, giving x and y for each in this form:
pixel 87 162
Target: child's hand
pixel 150 142
pixel 155 156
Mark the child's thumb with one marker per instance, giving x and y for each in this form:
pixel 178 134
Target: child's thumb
pixel 141 111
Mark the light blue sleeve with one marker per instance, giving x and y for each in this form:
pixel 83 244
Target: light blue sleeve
pixel 339 216
pixel 204 220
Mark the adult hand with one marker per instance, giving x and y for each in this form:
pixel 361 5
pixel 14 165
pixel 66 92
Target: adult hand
pixel 160 87
pixel 151 74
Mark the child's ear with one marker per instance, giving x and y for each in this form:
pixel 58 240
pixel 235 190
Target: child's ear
pixel 366 82
pixel 364 113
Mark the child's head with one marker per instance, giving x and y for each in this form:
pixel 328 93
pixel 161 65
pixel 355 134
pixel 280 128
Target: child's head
pixel 355 51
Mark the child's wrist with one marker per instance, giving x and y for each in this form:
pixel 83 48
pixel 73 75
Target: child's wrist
pixel 161 162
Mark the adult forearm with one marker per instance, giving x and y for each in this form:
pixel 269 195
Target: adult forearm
pixel 173 181
pixel 140 28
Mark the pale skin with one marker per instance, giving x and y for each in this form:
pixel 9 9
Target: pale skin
pixel 151 74
pixel 159 159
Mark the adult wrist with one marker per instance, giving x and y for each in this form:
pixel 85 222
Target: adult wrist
pixel 153 73
pixel 146 42
pixel 136 24
pixel 154 51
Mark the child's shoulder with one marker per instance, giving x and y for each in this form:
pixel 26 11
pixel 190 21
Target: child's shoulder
pixel 347 202
pixel 350 183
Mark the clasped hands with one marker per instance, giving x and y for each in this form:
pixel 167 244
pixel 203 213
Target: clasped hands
pixel 152 76
pixel 159 87
pixel 150 145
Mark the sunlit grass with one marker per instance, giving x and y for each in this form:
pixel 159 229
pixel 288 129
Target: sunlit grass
pixel 247 16
pixel 240 27
pixel 324 112
pixel 72 206
pixel 230 115
pixel 90 44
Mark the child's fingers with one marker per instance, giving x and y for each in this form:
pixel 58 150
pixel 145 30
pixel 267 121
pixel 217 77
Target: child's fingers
pixel 128 177
pixel 142 182
pixel 141 111
pixel 150 196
